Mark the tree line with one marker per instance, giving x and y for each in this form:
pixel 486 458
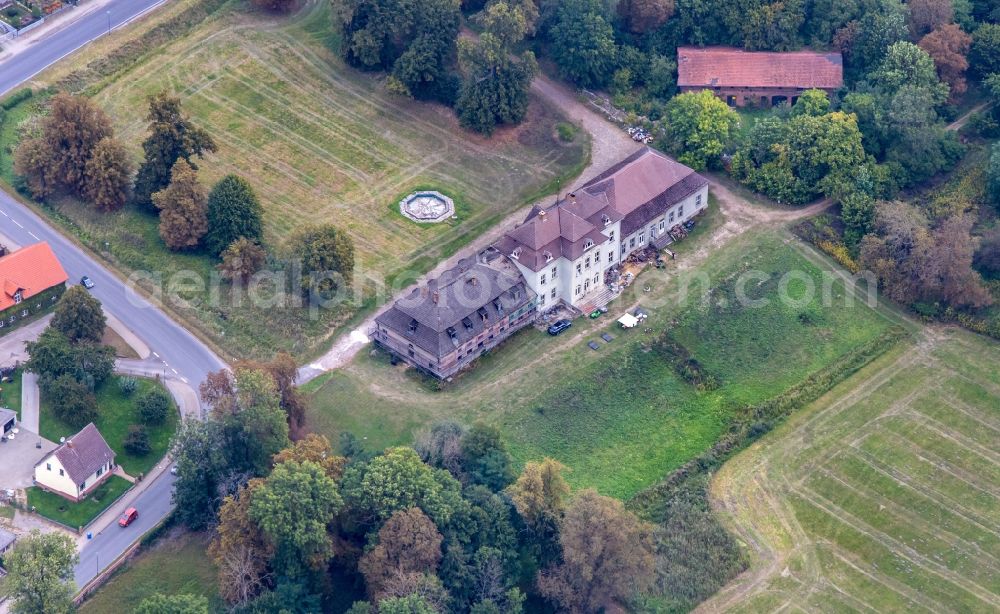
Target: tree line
pixel 76 153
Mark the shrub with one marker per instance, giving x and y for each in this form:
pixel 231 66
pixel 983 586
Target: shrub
pixel 127 385
pixel 16 98
pixel 153 406
pixel 72 401
pixel 137 440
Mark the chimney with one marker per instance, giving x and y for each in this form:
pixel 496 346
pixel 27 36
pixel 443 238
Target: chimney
pixel 435 297
pixel 69 443
pixel 541 215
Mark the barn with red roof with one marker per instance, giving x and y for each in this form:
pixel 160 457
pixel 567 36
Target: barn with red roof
pixel 757 78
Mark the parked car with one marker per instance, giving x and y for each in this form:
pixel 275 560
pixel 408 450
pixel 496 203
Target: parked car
pixel 173 469
pixel 559 327
pixel 87 282
pixel 128 517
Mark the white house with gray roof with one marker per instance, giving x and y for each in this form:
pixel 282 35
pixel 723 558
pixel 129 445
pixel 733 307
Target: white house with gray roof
pixel 77 466
pixel 565 251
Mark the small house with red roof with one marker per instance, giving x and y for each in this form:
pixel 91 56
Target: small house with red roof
pixel 757 78
pixel 31 281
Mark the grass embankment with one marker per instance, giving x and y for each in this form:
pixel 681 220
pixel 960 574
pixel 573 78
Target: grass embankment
pixel 10 393
pixel 176 563
pixel 320 142
pixel 882 495
pixel 115 412
pixel 74 515
pixel 623 417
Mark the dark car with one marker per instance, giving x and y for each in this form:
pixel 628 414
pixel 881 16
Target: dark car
pixel 559 327
pixel 128 517
pixel 87 282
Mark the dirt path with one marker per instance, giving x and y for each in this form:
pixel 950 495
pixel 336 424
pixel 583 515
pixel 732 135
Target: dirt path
pixel 609 144
pixel 964 119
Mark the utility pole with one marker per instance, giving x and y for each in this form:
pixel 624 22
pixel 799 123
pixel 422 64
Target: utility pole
pixel 109 21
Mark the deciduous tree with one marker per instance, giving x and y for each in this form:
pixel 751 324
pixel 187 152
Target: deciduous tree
pixel 699 127
pixel 172 137
pixel 79 316
pixel 293 508
pixel 929 15
pixel 183 208
pixel 108 175
pixel 241 260
pixel 984 55
pixel 72 401
pixel 240 549
pixel 408 543
pixel 58 158
pixel 52 355
pixel 583 43
pixel 645 15
pixel 948 46
pixel 233 213
pixel 40 574
pixel 317 449
pixel 154 406
pixel 485 459
pixel 325 255
pixel 607 556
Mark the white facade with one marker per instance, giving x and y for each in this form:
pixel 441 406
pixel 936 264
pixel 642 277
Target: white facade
pixel 574 282
pixel 51 475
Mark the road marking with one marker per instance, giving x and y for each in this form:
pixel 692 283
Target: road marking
pixel 4 213
pixel 174 370
pixel 34 236
pixel 155 354
pixel 18 223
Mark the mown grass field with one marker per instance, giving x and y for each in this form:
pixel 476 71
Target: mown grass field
pixel 176 563
pixel 321 143
pixel 74 515
pixel 884 495
pixel 621 418
pixel 115 412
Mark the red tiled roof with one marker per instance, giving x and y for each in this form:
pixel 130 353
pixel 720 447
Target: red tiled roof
pixel 731 67
pixel 30 270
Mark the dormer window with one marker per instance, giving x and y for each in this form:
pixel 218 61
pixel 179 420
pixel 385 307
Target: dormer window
pixel 548 256
pixel 18 297
pixel 413 326
pixel 588 244
pixel 516 253
pixel 606 219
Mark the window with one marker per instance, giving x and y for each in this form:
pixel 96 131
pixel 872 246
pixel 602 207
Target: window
pixel 61 472
pixel 579 269
pixel 553 292
pixel 588 244
pixel 631 242
pixel 661 225
pixel 577 291
pixel 611 235
pixel 623 248
pixel 48 466
pixel 652 230
pixel 83 485
pixel 588 262
pixel 642 238
pixel 542 299
pixel 680 211
pixel 671 218
pixel 542 280
pixel 597 279
pixel 611 256
pixel 554 272
pixel 697 201
pixel 100 471
pixel 17 297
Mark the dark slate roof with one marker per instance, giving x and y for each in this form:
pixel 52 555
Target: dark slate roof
pixel 83 454
pixel 659 205
pixel 637 189
pixel 450 310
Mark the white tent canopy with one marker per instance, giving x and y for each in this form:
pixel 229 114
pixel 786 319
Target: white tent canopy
pixel 628 320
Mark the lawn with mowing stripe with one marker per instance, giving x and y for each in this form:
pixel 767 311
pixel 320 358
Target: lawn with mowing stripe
pixel 74 515
pixel 621 418
pixel 883 492
pixel 115 412
pixel 321 143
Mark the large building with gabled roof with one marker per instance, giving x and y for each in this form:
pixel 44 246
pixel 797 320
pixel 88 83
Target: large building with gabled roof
pixel 31 280
pixel 757 78
pixel 565 251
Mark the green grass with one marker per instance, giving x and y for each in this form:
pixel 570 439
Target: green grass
pixel 55 507
pixel 176 563
pixel 620 418
pixel 10 395
pixel 883 493
pixel 320 142
pixel 115 414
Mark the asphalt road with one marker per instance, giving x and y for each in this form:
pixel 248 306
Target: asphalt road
pixel 53 48
pixel 183 356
